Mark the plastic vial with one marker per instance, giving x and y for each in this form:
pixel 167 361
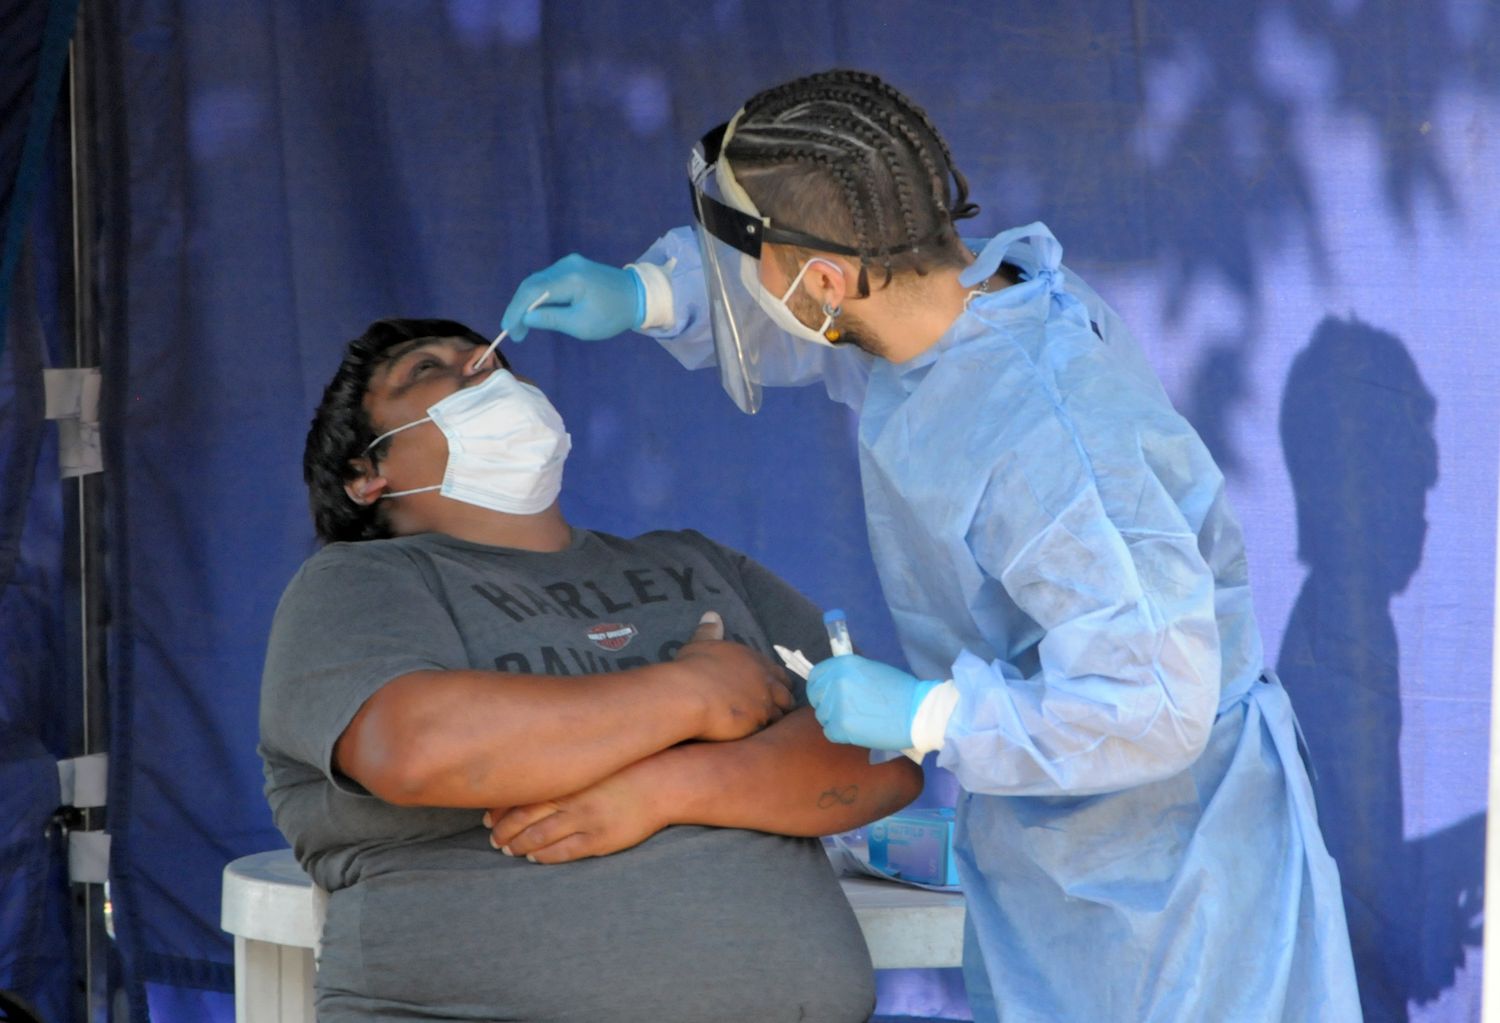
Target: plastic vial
pixel 838 632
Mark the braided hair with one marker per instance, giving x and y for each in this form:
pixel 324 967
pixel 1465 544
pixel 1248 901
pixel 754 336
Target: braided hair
pixel 844 156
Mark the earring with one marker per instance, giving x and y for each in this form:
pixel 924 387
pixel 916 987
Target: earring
pixel 833 312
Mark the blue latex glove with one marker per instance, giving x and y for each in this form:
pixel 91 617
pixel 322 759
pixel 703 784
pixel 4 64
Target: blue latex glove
pixel 865 703
pixel 585 299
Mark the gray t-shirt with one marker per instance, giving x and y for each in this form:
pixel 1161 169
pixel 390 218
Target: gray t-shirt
pixel 425 920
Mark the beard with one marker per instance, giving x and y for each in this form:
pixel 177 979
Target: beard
pixel 852 330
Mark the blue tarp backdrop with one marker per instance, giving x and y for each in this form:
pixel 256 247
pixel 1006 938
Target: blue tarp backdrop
pixel 39 707
pixel 1292 202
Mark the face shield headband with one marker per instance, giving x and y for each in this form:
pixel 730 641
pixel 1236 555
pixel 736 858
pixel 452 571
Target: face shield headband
pixel 725 211
pixel 741 228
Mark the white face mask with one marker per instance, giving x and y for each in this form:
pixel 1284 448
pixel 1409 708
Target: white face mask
pixel 777 308
pixel 506 446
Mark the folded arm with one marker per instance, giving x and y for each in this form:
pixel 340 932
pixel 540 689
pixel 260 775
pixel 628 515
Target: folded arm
pixel 484 738
pixel 787 779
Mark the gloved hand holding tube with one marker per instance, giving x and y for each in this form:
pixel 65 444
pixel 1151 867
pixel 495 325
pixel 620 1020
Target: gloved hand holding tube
pixel 585 299
pixel 863 702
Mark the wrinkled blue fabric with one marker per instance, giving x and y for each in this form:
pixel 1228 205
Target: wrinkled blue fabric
pixel 1137 835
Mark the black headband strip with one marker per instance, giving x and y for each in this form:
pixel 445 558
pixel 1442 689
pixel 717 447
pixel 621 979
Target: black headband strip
pixel 746 233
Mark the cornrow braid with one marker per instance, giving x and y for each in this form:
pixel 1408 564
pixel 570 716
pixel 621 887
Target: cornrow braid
pixel 849 184
pixel 857 86
pixel 961 207
pixel 853 99
pixel 833 153
pixel 859 123
pixel 902 102
pixel 836 155
pixel 881 143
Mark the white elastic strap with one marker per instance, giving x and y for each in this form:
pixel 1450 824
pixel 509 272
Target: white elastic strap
pixel 792 289
pixel 930 724
pixel 392 433
pixel 660 314
pixel 418 490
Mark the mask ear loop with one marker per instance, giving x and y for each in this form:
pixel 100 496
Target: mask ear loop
pixel 391 433
pixel 830 313
pixel 402 493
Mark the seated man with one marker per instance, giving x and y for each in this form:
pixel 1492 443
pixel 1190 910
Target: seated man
pixel 460 671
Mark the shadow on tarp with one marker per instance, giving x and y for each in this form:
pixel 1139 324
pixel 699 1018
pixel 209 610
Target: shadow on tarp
pixel 1357 428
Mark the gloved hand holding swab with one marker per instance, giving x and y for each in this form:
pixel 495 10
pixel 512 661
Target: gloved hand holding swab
pixel 473 367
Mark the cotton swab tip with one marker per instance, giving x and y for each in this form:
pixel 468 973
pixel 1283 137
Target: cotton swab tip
pixel 474 366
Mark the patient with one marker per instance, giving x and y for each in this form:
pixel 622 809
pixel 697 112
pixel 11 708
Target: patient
pixel 537 779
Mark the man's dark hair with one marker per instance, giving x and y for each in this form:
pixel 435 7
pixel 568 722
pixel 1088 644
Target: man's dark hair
pixel 846 157
pixel 341 428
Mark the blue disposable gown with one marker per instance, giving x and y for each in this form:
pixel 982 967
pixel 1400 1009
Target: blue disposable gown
pixel 1137 834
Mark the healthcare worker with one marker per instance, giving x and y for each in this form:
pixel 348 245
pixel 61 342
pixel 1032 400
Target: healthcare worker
pixel 1137 835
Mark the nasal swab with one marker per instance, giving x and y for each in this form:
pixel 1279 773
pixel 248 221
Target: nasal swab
pixel 795 660
pixel 474 366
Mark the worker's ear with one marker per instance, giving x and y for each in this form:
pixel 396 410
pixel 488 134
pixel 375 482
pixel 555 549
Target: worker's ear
pixel 367 485
pixel 827 281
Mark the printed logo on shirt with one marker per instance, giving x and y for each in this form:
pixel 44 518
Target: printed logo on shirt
pixel 593 600
pixel 611 635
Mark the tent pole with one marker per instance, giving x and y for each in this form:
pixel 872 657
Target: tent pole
pixel 90 900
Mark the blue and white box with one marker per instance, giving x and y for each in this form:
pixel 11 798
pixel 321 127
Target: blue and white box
pixel 915 845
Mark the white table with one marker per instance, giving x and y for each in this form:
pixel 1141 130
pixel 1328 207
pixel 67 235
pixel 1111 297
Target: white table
pixel 276 916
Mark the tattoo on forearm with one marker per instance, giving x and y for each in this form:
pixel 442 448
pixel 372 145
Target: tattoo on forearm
pixel 838 797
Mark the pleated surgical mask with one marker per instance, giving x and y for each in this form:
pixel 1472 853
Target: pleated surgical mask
pixel 506 446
